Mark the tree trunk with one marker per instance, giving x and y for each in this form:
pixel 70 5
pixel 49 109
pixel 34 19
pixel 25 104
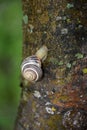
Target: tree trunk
pixel 58 101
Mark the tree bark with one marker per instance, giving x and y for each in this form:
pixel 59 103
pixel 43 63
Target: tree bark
pixel 58 101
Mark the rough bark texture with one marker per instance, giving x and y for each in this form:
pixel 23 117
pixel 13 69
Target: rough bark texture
pixel 58 101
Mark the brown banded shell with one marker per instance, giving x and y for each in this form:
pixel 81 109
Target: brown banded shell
pixel 31 68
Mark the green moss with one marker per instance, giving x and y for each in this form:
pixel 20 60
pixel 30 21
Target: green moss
pixel 25 19
pixel 85 70
pixel 54 61
pixel 70 5
pixel 68 65
pixel 54 123
pixel 79 56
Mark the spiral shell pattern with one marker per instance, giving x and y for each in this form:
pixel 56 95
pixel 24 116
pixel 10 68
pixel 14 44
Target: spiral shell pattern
pixel 31 68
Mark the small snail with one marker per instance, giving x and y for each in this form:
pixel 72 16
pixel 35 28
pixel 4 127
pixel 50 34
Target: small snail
pixel 31 66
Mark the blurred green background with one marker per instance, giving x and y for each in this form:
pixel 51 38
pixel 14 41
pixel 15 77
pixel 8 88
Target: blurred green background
pixel 10 59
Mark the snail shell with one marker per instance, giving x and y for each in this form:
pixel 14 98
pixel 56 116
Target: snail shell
pixel 31 68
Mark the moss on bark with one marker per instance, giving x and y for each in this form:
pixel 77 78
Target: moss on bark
pixel 61 26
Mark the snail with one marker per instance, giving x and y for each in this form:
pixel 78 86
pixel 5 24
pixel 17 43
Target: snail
pixel 31 66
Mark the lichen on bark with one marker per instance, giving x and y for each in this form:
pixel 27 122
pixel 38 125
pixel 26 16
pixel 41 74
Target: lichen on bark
pixel 62 27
